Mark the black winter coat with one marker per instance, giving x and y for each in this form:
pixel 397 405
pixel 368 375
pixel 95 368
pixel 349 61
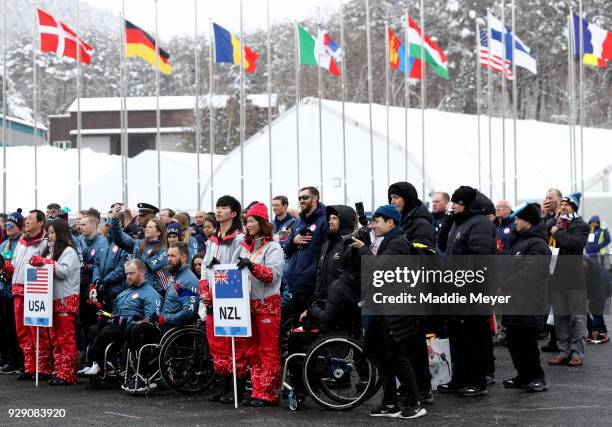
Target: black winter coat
pixel 525 278
pixel 416 219
pixel 569 273
pixel 471 233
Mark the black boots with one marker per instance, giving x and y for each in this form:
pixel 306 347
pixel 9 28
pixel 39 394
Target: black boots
pixel 240 387
pixel 222 387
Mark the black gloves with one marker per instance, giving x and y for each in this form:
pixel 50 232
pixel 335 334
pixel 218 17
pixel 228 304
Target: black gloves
pixel 213 262
pixel 244 262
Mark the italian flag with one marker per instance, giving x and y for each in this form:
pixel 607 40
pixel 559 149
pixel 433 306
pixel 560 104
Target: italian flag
pixel 434 56
pixel 313 51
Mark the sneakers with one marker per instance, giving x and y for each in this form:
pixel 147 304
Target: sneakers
pixel 386 411
pixel 537 386
pixel 575 361
pixel 94 370
pixel 82 371
pixel 450 387
pixel 472 391
pixel 514 383
pixel 427 397
pixel 413 412
pixel 558 360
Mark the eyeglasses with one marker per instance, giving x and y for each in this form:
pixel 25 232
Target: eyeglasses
pixel 306 197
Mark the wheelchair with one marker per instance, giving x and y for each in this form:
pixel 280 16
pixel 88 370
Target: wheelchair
pixel 181 360
pixel 335 373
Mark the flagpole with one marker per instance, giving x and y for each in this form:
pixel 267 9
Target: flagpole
pixel 319 93
pixel 198 136
pixel 242 111
pixel 297 100
pixel 514 103
pixel 370 100
pixel 423 95
pixel 125 154
pixel 35 101
pixel 406 95
pixel 387 99
pixel 503 97
pixel 490 105
pixel 78 86
pixel 157 113
pixel 343 84
pixel 4 118
pixel 122 109
pixel 570 92
pixel 269 87
pixel 581 83
pixel 478 101
pixel 211 111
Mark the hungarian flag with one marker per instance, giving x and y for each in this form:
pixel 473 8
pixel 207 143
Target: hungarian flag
pixel 140 44
pixel 398 58
pixel 55 36
pixel 434 56
pixel 321 51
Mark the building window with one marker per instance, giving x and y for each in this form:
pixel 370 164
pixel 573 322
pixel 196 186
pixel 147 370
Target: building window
pixel 64 145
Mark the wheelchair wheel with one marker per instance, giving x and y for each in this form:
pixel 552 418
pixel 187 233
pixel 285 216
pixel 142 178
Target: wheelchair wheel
pixel 337 375
pixel 185 363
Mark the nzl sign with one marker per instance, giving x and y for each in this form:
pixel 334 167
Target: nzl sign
pixel 231 301
pixel 38 296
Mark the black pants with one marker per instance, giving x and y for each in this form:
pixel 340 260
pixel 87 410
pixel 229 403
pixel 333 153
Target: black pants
pixel 112 333
pixel 9 347
pixel 469 349
pixel 394 362
pixel 523 346
pixel 136 336
pixel 416 348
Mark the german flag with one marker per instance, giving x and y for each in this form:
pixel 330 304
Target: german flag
pixel 140 44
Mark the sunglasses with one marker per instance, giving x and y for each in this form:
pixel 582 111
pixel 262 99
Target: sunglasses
pixel 305 198
pixel 9 225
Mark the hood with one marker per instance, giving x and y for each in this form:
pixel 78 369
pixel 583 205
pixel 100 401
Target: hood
pixel 348 217
pixel 407 192
pixel 318 212
pixel 537 231
pixel 481 205
pixel 420 211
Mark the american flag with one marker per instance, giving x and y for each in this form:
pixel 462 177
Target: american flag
pixel 496 60
pixel 37 280
pixel 164 277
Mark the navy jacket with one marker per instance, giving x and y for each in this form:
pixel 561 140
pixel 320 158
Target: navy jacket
pixel 505 229
pixel 182 299
pixel 300 273
pixel 140 301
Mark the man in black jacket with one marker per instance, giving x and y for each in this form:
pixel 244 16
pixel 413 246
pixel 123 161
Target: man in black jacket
pixel 525 278
pixel 387 337
pixel 468 231
pixel 569 233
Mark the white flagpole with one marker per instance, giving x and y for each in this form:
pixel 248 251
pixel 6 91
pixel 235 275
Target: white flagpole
pixel 514 104
pixel 319 93
pixel 423 96
pixel 343 84
pixel 387 100
pixel 4 115
pixel 269 87
pixel 157 113
pixel 297 100
pixel 370 100
pixel 406 95
pixel 197 116
pixel 35 102
pixel 581 82
pixel 124 113
pixel 478 102
pixel 78 87
pixel 242 109
pixel 503 98
pixel 211 110
pixel 490 106
pixel 121 112
pixel 37 352
pixel 570 92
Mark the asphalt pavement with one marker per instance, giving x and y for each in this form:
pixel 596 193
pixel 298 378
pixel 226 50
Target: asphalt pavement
pixel 577 396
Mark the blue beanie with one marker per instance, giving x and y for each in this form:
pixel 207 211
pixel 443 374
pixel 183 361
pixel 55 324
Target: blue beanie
pixel 389 211
pixel 573 200
pixel 173 228
pixel 16 218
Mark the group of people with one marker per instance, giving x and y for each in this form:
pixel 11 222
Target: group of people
pixel 126 279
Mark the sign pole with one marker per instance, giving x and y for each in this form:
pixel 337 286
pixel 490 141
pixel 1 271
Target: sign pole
pixel 37 351
pixel 234 372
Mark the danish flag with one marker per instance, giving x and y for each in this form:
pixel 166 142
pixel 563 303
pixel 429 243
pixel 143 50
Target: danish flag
pixel 55 36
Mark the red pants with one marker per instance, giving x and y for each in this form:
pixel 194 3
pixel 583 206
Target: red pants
pixel 263 354
pixel 65 353
pixel 221 351
pixel 26 335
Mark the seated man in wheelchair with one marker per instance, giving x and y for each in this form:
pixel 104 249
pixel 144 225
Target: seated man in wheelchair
pixel 138 303
pixel 180 308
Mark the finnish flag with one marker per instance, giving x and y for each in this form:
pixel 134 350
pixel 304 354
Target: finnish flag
pixel 522 52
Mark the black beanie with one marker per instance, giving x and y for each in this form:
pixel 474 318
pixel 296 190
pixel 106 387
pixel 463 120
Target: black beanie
pixel 529 213
pixel 464 195
pixel 231 202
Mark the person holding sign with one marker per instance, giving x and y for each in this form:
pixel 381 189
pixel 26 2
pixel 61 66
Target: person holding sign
pixel 264 259
pixel 60 253
pixel 151 250
pixel 32 244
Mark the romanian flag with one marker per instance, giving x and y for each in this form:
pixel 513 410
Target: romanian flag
pixel 597 43
pixel 140 44
pixel 227 50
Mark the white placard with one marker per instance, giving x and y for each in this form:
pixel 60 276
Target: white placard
pixel 38 296
pixel 231 301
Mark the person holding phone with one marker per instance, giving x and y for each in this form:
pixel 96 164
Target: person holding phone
pixel 551 204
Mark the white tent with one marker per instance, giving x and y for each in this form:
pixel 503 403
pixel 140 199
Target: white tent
pixel 451 155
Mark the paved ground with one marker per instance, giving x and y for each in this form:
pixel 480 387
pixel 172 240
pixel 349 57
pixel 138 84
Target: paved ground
pixel 578 396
